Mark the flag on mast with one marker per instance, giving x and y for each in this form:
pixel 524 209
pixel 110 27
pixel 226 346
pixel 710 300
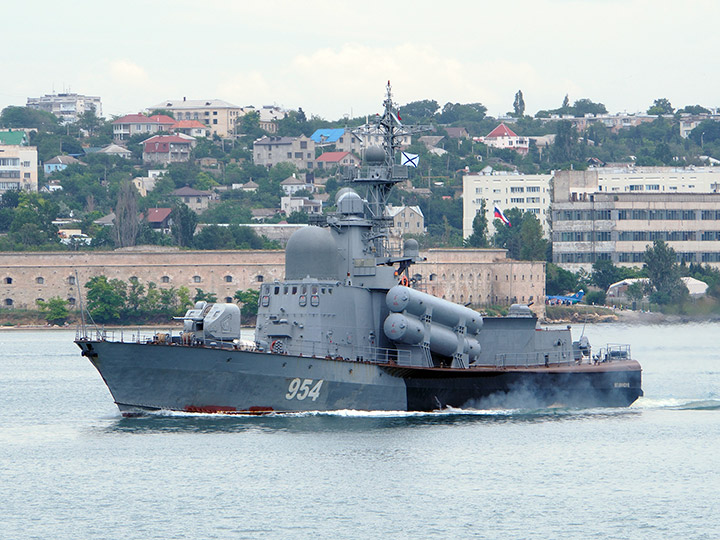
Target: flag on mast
pixel 409 160
pixel 499 215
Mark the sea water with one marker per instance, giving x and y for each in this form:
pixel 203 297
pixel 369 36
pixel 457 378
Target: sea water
pixel 72 468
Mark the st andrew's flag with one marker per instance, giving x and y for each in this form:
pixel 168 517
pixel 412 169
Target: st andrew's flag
pixel 410 160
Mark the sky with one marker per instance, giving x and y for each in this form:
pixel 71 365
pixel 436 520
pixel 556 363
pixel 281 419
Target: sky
pixel 335 58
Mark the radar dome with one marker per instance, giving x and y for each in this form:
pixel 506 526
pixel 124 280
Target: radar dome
pixel 374 154
pixel 311 252
pixel 350 203
pixel 343 191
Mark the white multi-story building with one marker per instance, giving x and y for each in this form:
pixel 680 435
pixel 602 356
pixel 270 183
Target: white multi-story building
pixel 658 180
pixel 527 192
pixel 591 224
pixel 67 107
pixel 18 168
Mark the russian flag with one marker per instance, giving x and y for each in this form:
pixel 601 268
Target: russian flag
pixel 499 215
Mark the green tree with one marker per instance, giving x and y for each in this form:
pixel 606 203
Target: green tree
pixel 417 112
pixel 55 310
pixel 183 225
pixel 202 296
pixel 519 104
pixel 661 106
pixel 106 299
pixel 636 291
pixel 127 221
pixel 508 236
pixel 249 300
pixel 479 236
pixel 565 148
pixel 532 244
pixel 664 274
pixel 25 117
pixel 559 281
pixel 605 273
pixel 585 106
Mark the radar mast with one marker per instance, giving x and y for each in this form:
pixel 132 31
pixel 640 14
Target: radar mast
pixel 380 172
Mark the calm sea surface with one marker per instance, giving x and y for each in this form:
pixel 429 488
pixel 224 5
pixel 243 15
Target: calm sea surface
pixel 72 468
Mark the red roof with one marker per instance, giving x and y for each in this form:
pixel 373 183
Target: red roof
pixel 333 157
pixel 501 131
pixel 162 119
pixel 158 215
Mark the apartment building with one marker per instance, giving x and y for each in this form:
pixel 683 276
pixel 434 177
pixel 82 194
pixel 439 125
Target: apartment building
pixel 220 117
pixel 18 168
pixel 67 107
pixel 528 192
pixel 589 224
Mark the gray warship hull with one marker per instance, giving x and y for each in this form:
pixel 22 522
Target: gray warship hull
pixel 146 377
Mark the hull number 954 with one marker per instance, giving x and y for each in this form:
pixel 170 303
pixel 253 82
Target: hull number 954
pixel 304 388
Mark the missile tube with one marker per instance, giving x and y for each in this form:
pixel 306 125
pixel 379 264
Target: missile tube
pixel 446 313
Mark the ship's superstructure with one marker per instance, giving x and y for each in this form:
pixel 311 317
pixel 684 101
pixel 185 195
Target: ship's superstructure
pixel 346 330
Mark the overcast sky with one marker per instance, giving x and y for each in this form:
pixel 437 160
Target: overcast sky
pixel 334 58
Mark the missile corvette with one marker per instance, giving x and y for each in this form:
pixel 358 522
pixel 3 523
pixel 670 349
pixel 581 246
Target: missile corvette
pixel 349 329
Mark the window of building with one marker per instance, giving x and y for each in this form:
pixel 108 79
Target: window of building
pixel 8 302
pixel 165 279
pixel 39 280
pixel 8 280
pixel 71 301
pixel 259 278
pixel 228 279
pixel 228 300
pixel 303 145
pixel 197 279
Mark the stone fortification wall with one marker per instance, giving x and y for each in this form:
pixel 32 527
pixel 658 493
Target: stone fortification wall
pixel 476 276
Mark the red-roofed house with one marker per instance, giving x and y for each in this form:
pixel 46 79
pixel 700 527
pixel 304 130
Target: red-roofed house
pixel 159 219
pixel 334 159
pixel 504 137
pixel 190 127
pixel 167 149
pixel 134 124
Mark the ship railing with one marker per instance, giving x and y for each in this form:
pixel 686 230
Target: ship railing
pixel 610 353
pixel 537 358
pixel 371 354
